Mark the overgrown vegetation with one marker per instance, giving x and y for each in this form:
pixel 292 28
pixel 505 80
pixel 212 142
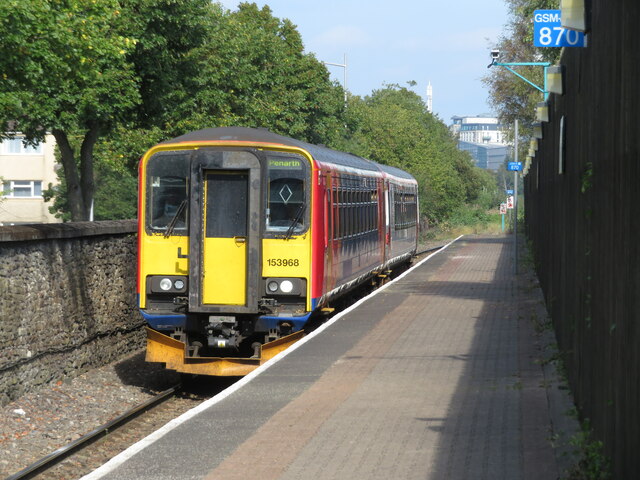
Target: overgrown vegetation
pixel 593 463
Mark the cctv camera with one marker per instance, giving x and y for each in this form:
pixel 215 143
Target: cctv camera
pixel 495 54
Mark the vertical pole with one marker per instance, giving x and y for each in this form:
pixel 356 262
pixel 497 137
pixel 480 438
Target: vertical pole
pixel 345 80
pixel 515 204
pixel 502 222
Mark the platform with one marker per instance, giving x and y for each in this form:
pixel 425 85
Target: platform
pixel 434 377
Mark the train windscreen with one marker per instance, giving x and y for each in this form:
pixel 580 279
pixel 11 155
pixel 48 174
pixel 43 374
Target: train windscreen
pixel 167 193
pixel 286 210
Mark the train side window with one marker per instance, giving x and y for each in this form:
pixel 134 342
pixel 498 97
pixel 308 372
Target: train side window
pixel 358 214
pixel 352 214
pixel 167 190
pixel 349 214
pixel 337 217
pixel 343 214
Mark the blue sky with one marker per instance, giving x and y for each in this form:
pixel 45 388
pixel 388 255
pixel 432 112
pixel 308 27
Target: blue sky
pixel 446 42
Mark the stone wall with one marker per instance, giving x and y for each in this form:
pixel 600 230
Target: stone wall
pixel 67 301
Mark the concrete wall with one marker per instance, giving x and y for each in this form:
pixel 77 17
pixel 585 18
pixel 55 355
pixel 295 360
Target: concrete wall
pixel 67 301
pixel 27 165
pixel 585 228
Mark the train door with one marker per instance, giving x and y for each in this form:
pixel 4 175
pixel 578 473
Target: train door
pixel 226 235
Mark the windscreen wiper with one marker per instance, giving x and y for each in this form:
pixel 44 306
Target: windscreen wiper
pixel 294 222
pixel 174 220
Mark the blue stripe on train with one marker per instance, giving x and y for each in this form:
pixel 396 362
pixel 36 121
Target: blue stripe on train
pixel 263 324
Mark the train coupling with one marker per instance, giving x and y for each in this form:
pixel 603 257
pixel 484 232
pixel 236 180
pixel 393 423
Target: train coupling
pixel 221 332
pixel 268 305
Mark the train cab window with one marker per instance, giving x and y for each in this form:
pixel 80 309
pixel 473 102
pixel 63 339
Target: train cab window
pixel 167 193
pixel 287 185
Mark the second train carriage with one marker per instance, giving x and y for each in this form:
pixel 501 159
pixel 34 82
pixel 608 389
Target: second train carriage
pixel 243 234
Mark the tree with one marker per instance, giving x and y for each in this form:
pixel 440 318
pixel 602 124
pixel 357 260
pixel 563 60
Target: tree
pixel 69 68
pixel 64 70
pixel 253 72
pixel 166 31
pixel 393 127
pixel 511 97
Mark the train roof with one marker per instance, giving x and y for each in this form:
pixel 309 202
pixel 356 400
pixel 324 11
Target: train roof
pixel 260 135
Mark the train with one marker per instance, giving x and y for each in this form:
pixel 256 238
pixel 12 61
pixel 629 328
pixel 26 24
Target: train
pixel 245 235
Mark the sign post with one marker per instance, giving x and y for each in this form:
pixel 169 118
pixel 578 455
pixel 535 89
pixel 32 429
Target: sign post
pixel 515 203
pixel 503 212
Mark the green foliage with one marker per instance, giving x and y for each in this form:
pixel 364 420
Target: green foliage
pixel 593 463
pixel 117 195
pixel 511 97
pixel 115 198
pixel 468 216
pixel 252 71
pixel 84 67
pixel 111 78
pixel 63 65
pixel 167 31
pixel 587 178
pixel 393 127
pixel 64 70
pixel 116 160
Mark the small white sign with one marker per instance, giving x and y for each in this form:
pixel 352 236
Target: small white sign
pixel 510 202
pixel 503 208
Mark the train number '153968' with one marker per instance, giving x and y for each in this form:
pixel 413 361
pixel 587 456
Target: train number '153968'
pixel 283 262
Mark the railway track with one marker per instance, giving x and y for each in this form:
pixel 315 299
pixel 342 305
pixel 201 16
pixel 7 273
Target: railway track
pixel 96 447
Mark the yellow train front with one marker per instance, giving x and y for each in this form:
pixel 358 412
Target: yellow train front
pixel 240 242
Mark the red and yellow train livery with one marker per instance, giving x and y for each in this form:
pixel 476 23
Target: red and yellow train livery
pixel 244 234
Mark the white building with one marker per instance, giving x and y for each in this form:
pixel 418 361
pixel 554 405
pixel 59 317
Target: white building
pixel 483 137
pixel 26 171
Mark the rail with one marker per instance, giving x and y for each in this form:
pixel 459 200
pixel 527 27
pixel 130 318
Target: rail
pixel 58 455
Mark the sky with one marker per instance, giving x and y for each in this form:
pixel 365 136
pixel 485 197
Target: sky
pixel 445 42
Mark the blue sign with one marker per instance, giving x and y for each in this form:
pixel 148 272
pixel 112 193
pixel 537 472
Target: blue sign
pixel 510 192
pixel 514 166
pixel 549 32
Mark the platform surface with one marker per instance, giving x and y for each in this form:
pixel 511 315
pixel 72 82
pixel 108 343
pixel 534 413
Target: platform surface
pixel 434 377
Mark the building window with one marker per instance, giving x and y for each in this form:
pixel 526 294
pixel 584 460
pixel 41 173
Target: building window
pixel 15 146
pixel 22 188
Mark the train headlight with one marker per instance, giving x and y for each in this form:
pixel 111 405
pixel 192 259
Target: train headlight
pixel 285 286
pixel 167 284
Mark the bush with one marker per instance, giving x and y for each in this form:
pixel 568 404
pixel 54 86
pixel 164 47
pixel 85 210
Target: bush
pixel 466 216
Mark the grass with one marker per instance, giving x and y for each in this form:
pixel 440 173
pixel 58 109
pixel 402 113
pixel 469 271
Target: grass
pixel 465 221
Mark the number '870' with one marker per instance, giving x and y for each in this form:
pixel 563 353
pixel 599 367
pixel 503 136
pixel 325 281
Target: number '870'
pixel 555 36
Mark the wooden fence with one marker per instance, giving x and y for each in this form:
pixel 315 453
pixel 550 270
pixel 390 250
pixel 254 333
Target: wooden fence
pixel 582 219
